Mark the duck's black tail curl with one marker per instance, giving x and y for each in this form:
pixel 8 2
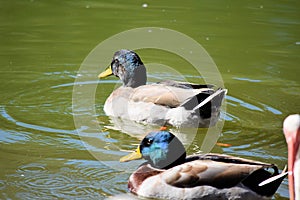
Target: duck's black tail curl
pixel 205 103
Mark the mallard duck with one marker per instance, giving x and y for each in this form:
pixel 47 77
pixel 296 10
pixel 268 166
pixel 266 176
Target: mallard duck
pixel 291 128
pixel 169 174
pixel 179 104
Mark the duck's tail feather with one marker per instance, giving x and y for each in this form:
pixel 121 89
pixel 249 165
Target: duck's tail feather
pixel 254 180
pixel 205 103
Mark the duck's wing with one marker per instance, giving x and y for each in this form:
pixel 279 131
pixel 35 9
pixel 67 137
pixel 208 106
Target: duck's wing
pixel 207 172
pixel 223 172
pixel 167 95
pixel 185 85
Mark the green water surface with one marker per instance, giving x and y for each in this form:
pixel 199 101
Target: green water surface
pixel 255 44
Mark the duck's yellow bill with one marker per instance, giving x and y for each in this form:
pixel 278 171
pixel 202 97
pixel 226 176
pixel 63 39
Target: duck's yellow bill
pixel 106 73
pixel 132 156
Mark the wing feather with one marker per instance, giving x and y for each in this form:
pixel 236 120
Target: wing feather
pixel 165 95
pixel 208 172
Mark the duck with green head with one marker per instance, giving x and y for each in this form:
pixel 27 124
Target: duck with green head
pixel 169 174
pixel 164 103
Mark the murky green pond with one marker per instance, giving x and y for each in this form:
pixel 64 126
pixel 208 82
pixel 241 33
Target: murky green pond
pixel 255 44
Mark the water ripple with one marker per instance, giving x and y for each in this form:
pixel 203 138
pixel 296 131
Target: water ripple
pixel 48 181
pixel 2 184
pixel 242 103
pixel 83 179
pixel 86 83
pixel 271 109
pixel 9 118
pixel 246 79
pixel 33 167
pixel 261 107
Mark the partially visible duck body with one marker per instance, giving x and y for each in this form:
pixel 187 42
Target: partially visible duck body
pixel 291 128
pixel 169 174
pixel 179 104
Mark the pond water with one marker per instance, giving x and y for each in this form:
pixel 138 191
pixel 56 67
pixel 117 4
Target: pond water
pixel 45 154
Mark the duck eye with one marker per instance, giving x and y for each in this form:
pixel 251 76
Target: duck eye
pixel 148 142
pixel 114 62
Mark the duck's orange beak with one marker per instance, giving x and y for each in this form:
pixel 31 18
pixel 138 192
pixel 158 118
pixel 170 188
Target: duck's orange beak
pixel 292 135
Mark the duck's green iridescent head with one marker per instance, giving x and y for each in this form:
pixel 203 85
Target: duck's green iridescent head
pixel 128 66
pixel 161 149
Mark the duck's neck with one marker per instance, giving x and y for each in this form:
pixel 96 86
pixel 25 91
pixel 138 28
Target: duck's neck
pixel 179 161
pixel 137 78
pixel 172 161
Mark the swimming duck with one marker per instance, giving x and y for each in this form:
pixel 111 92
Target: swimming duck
pixel 169 174
pixel 179 104
pixel 291 128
